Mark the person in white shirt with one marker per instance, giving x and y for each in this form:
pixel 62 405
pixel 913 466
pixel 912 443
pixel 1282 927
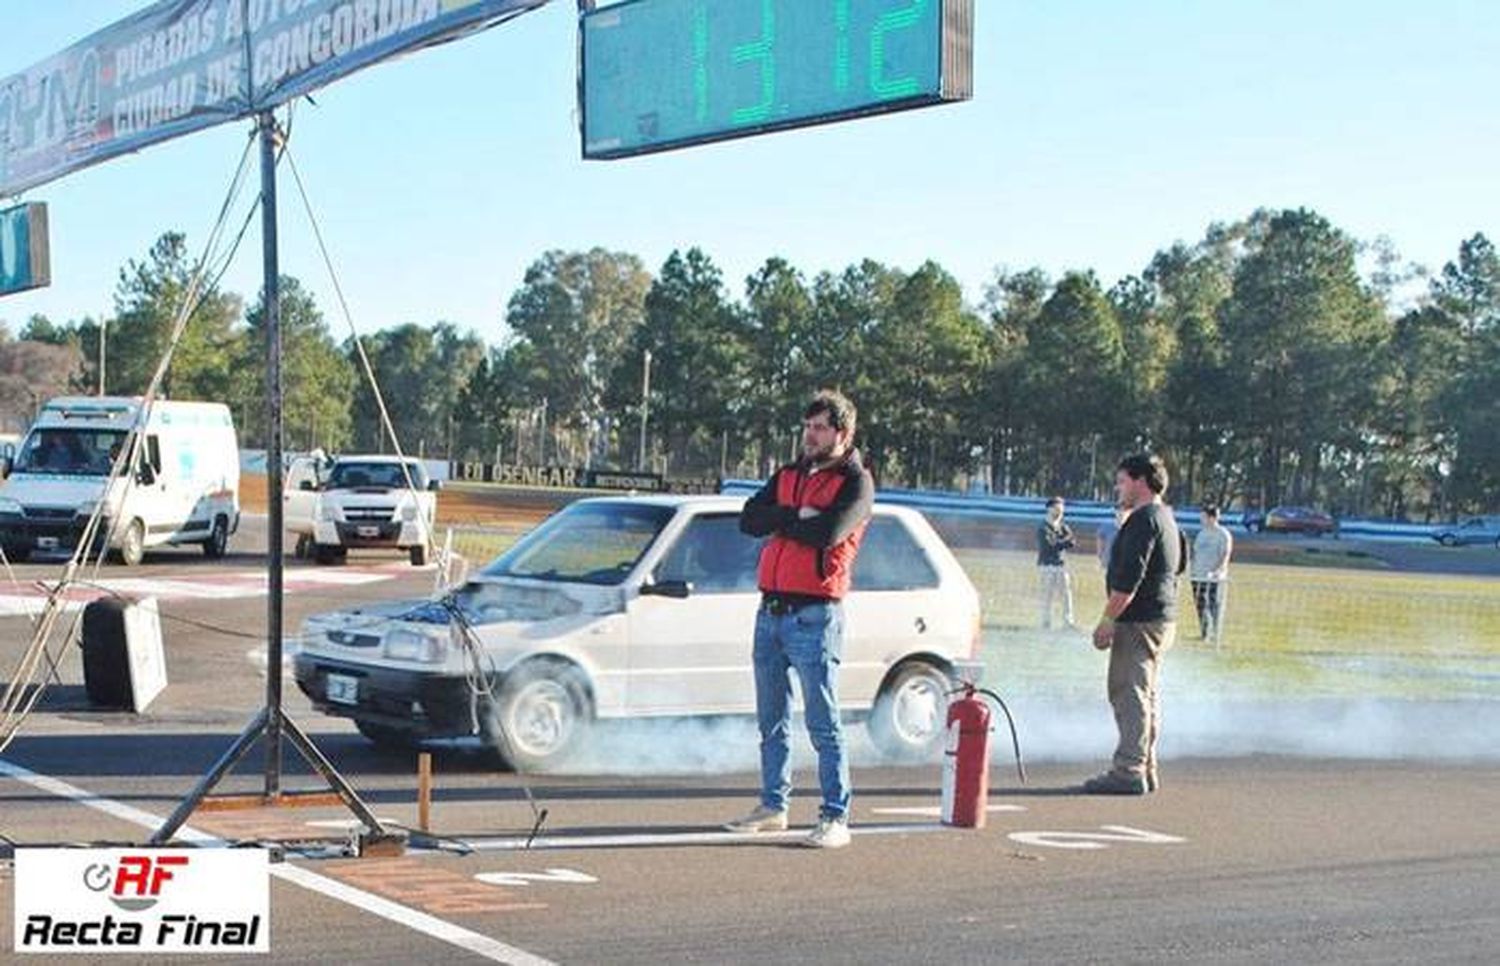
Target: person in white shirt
pixel 1210 575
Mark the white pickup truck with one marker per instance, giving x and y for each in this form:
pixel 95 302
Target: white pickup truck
pixel 358 502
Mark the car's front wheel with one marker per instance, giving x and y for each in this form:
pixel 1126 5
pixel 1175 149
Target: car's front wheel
pixel 1448 540
pixel 539 716
pixel 133 544
pixel 910 715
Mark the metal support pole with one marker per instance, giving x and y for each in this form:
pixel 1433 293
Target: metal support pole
pixel 271 308
pixel 640 459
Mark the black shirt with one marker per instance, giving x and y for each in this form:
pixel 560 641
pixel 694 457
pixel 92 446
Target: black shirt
pixel 1145 560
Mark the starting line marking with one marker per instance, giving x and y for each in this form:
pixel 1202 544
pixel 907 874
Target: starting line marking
pixel 441 929
pixel 935 811
pixel 556 842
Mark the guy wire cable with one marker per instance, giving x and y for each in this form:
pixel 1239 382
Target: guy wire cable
pixel 23 692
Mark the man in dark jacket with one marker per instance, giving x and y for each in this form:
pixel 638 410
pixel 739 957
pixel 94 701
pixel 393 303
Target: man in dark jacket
pixel 1139 622
pixel 1053 539
pixel 815 512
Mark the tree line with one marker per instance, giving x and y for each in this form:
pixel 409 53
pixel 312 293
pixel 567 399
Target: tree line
pixel 1276 359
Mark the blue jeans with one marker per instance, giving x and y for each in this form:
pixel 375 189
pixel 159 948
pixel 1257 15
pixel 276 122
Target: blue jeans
pixel 809 641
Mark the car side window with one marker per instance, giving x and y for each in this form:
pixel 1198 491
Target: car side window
pixel 712 555
pixel 891 559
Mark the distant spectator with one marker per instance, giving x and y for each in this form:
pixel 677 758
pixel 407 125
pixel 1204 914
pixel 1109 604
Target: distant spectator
pixel 1053 539
pixel 1210 575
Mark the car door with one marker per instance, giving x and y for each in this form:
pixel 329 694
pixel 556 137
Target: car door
pixel 298 504
pixel 895 608
pixel 692 655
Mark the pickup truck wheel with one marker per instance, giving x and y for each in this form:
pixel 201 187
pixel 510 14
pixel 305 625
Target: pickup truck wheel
pixel 419 555
pixel 539 717
pixel 132 544
pixel 910 715
pixel 218 539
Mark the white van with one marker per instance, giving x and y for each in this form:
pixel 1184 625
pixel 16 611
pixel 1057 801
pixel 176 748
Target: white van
pixel 639 607
pixel 184 486
pixel 359 502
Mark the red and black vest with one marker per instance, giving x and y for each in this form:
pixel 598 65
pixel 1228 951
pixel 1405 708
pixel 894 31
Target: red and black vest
pixel 788 566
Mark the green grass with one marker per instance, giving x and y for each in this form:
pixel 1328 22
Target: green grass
pixel 1290 631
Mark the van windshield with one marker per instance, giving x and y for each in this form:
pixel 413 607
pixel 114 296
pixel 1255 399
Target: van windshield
pixel 587 543
pixel 353 476
pixel 72 452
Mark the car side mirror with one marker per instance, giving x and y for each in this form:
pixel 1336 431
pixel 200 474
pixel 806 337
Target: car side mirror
pixel 145 476
pixel 434 485
pixel 307 485
pixel 675 589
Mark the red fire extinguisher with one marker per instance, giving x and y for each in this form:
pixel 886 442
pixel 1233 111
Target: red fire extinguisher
pixel 966 759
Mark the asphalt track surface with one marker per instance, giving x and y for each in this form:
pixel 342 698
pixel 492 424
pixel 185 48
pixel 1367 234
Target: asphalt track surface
pixel 1253 859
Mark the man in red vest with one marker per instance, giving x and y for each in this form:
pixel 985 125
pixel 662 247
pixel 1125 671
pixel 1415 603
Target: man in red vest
pixel 815 512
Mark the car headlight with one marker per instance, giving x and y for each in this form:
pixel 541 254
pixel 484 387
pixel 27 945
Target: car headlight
pixel 409 512
pixel 329 513
pixel 405 645
pixel 9 506
pixel 86 510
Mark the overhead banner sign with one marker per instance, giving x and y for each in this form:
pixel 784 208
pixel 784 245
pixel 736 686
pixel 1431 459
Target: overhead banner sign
pixel 179 66
pixel 24 253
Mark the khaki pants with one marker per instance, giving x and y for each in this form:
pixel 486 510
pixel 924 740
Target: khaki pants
pixel 1135 693
pixel 1056 582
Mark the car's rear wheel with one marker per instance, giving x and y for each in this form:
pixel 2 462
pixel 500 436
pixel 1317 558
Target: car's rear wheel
pixel 1449 540
pixel 539 716
pixel 419 555
pixel 910 715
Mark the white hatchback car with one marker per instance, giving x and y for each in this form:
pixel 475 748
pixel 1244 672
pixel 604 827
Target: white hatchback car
pixel 638 607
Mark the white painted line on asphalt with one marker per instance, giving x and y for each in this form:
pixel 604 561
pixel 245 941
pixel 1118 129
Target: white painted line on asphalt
pixel 521 843
pixel 1095 840
pixel 936 811
pixel 477 943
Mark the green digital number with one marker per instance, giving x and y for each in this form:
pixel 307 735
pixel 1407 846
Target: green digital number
pixel 700 62
pixel 881 86
pixel 841 45
pixel 761 51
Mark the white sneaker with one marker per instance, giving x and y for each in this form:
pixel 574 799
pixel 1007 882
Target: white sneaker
pixel 762 819
pixel 830 833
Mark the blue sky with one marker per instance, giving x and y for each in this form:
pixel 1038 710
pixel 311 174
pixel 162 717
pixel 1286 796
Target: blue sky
pixel 1099 132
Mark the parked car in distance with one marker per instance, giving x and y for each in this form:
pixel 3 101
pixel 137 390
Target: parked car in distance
pixel 631 607
pixel 1470 531
pixel 1291 519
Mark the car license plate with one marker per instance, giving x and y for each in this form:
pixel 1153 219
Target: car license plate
pixel 46 543
pixel 342 689
pixel 368 531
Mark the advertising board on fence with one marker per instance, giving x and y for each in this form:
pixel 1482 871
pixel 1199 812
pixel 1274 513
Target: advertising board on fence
pixel 577 477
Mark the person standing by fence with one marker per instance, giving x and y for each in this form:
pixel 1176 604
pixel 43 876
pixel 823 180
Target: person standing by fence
pixel 1212 548
pixel 1053 539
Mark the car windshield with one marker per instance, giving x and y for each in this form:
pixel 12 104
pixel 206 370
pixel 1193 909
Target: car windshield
pixel 74 452
pixel 352 476
pixel 589 543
